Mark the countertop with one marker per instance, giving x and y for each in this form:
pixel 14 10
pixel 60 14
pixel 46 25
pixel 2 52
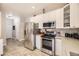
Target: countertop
pixel 58 37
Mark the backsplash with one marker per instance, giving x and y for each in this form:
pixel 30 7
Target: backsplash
pixel 63 31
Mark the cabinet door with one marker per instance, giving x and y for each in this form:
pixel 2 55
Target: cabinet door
pixel 59 18
pixel 0 24
pixel 66 16
pixel 71 45
pixel 38 42
pixel 58 47
pixel 1 46
pixel 74 15
pixel 38 19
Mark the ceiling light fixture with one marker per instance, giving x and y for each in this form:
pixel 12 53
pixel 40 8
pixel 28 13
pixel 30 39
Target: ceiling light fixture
pixel 33 7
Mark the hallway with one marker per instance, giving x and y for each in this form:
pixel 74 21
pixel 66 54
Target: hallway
pixel 15 48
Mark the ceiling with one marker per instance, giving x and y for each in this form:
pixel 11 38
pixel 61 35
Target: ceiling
pixel 26 10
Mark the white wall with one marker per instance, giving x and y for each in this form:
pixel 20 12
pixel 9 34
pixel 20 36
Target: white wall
pixel 3 28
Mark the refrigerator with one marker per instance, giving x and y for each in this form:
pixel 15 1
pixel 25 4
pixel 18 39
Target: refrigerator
pixel 29 36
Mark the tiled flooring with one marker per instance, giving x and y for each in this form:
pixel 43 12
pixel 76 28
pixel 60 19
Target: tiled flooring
pixel 15 48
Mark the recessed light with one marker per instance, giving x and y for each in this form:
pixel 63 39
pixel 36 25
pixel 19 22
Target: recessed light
pixel 33 7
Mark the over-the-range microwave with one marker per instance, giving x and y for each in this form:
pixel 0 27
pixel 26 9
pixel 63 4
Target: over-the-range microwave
pixel 49 24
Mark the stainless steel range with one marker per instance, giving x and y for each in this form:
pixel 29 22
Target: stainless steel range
pixel 48 43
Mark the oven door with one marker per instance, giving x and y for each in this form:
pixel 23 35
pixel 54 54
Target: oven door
pixel 47 44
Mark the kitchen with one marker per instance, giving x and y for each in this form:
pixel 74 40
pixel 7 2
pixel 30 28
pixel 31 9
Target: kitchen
pixel 62 29
pixel 54 32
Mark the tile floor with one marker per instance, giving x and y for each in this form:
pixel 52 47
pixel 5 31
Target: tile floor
pixel 15 48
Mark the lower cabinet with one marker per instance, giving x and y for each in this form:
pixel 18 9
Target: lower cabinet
pixel 58 46
pixel 1 46
pixel 38 42
pixel 70 47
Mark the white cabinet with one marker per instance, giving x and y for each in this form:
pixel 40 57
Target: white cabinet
pixel 70 45
pixel 50 16
pixel 56 15
pixel 47 17
pixel 0 24
pixel 1 40
pixel 38 19
pixel 74 15
pixel 1 46
pixel 59 18
pixel 66 14
pixel 58 46
pixel 38 42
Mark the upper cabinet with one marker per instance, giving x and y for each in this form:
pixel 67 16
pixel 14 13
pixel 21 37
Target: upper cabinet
pixel 38 19
pixel 71 15
pixel 66 16
pixel 59 18
pixel 74 15
pixel 47 17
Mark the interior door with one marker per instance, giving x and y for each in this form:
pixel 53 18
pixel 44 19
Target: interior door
pixel 9 24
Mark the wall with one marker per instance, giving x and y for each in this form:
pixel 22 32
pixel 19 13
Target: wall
pixel 3 31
